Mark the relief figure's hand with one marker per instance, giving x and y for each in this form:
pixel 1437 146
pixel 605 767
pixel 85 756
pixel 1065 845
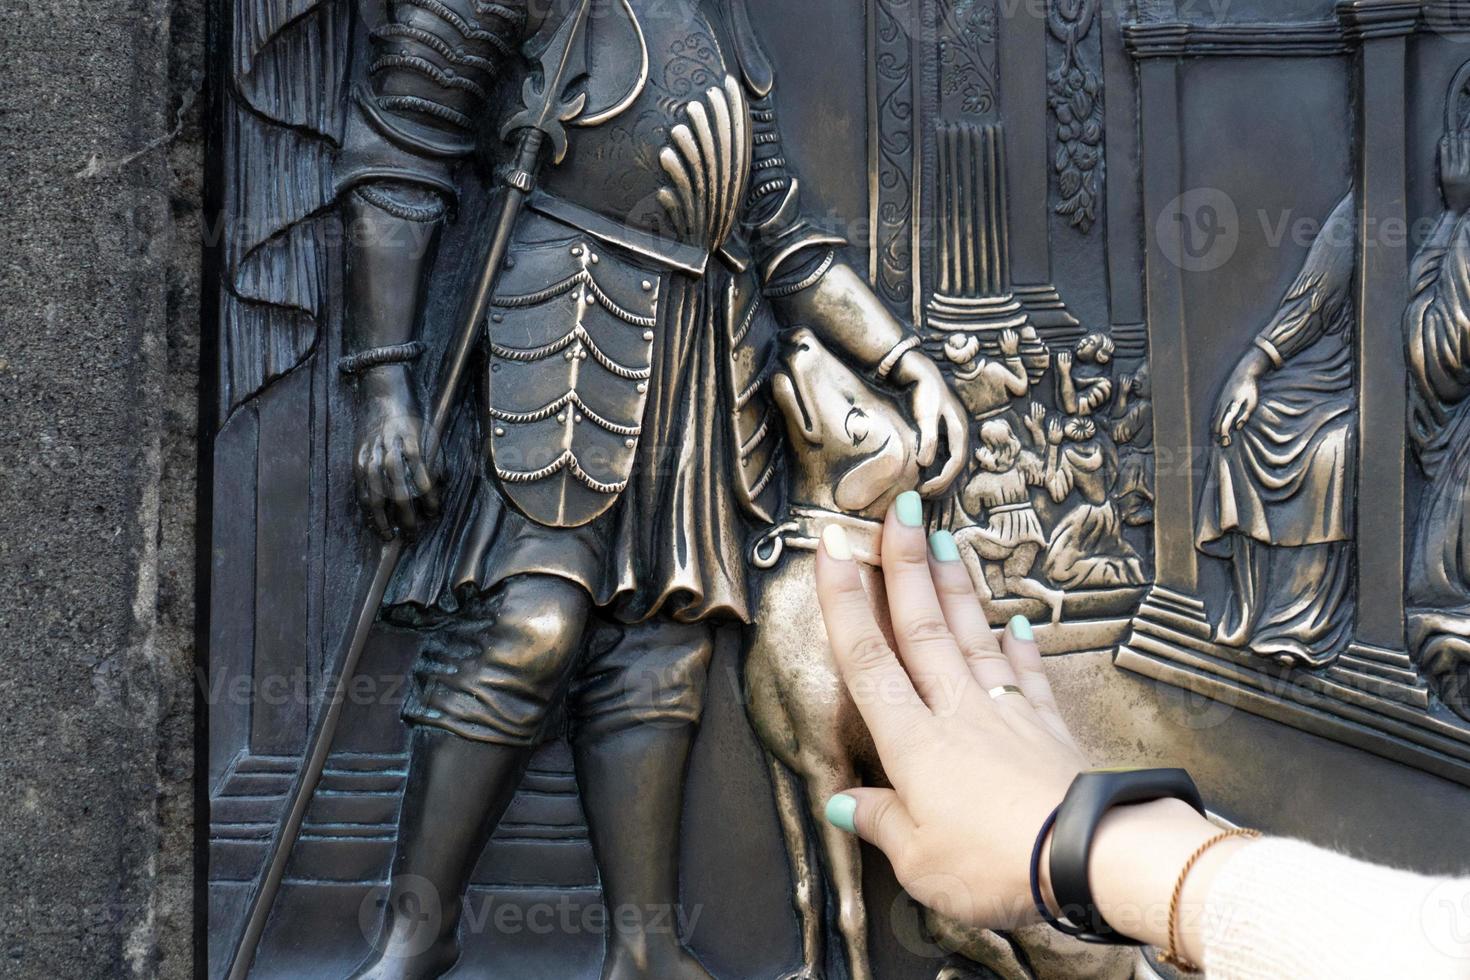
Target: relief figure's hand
pixel 396 484
pixel 1035 422
pixel 938 413
pixel 1241 395
pixel 1454 171
pixel 1010 342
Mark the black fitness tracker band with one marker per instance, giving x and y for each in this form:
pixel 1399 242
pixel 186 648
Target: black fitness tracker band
pixel 1073 826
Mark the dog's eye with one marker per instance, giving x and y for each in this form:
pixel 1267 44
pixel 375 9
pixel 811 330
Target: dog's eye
pixel 857 425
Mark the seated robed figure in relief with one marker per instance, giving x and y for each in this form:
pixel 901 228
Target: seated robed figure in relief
pixel 1279 486
pixel 1437 328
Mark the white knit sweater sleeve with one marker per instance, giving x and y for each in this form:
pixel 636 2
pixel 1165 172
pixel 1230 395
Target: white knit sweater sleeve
pixel 1283 909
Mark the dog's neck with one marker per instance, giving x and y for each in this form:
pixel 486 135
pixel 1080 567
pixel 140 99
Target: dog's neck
pixel 802 529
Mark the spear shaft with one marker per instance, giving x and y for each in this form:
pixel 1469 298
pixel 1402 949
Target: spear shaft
pixel 531 129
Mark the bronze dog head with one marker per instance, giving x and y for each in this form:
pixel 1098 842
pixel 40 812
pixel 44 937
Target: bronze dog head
pixel 853 451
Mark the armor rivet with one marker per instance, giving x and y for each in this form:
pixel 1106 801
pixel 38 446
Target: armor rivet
pixel 647 285
pixel 497 318
pixel 569 355
pixel 648 335
pixel 495 367
pixel 577 251
pixel 595 259
pixel 576 418
pixel 630 443
pixel 590 298
pixel 499 431
pixel 582 355
pixel 642 387
pixel 562 417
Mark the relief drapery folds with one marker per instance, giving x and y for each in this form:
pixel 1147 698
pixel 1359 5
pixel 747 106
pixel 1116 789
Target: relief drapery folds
pixel 1278 494
pixel 1437 332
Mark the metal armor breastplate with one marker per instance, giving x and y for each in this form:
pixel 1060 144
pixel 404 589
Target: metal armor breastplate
pixel 571 344
pixel 676 162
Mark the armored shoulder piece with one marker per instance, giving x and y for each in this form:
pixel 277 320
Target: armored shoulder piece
pixel 792 253
pixel 432 68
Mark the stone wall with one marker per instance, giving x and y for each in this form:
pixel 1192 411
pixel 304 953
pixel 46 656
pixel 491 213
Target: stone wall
pixel 100 158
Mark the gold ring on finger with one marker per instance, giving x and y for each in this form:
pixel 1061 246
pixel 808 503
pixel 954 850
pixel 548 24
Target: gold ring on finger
pixel 999 692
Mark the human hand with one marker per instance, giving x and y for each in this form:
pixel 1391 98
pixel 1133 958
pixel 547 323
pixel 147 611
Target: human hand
pixel 974 776
pixel 398 491
pixel 937 412
pixel 1056 431
pixel 977 768
pixel 1065 359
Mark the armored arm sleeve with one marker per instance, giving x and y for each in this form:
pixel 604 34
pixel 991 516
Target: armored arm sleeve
pixel 430 71
pixel 798 262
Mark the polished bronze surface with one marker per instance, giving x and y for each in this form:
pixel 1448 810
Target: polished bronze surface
pixel 553 332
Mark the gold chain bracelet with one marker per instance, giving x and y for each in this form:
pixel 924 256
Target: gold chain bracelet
pixel 1173 956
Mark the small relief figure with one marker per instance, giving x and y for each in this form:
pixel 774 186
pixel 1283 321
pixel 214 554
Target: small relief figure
pixel 1086 549
pixel 1133 433
pixel 1000 553
pixel 987 386
pixel 1279 491
pixel 1437 326
pixel 1085 377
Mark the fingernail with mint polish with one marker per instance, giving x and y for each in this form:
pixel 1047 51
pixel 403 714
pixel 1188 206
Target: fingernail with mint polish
pixel 834 540
pixel 942 546
pixel 1021 628
pixel 841 811
pixel 910 509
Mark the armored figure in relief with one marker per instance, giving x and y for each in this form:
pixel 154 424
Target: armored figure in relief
pixel 597 494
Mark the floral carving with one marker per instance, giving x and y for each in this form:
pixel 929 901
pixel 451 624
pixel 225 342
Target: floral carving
pixel 1075 97
pixel 967 32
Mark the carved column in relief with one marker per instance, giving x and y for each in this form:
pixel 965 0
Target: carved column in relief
pixel 1381 27
pixel 974 277
pixel 1157 43
pixel 1024 88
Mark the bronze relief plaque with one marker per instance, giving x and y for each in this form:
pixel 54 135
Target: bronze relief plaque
pixel 552 333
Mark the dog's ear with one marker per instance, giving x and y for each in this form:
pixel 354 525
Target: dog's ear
pixel 798 419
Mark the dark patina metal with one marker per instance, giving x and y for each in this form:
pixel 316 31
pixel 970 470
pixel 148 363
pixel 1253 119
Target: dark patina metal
pixel 553 333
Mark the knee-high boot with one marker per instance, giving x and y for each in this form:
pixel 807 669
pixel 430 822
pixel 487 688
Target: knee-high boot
pixel 457 792
pixel 632 784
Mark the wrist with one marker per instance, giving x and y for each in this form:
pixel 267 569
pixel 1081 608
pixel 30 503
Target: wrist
pixel 1255 364
pixel 907 369
pixel 1136 859
pixel 386 383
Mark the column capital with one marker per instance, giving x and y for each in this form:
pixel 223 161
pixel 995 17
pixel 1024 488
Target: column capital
pixel 1447 16
pixel 1365 20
